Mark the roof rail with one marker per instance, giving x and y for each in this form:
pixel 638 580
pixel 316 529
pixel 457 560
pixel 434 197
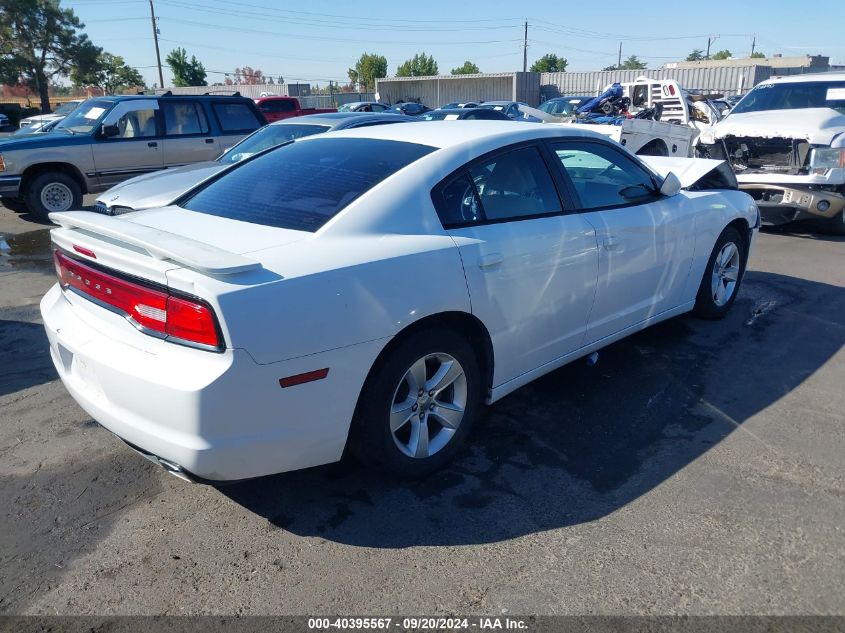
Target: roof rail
pixel 235 93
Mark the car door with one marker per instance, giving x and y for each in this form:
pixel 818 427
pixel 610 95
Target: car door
pixel 135 149
pixel 187 133
pixel 530 267
pixel 646 240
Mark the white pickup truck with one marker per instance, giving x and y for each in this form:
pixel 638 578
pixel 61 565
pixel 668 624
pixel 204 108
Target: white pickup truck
pixel 674 134
pixel 786 143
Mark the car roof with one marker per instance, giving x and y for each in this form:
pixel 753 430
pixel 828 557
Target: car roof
pixel 571 97
pixel 337 118
pixel 497 102
pixel 444 134
pixel 451 111
pixel 835 76
pixel 172 96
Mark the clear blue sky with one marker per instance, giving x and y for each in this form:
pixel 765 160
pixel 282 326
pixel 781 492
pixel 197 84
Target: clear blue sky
pixel 317 40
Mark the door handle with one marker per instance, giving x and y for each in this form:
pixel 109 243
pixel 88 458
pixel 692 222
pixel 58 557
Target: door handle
pixel 490 261
pixel 609 242
pixel 209 140
pixel 152 144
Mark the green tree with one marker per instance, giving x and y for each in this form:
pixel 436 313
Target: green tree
pixel 696 55
pixel 632 63
pixel 725 54
pixel 39 40
pixel 420 65
pixel 758 55
pixel 549 63
pixel 109 73
pixel 185 72
pixel 367 69
pixel 468 68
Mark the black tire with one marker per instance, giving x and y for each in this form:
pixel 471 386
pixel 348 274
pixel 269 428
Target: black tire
pixel 65 186
pixel 835 225
pixel 706 304
pixel 14 204
pixel 371 439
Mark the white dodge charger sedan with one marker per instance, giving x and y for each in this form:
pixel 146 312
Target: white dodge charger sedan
pixel 373 288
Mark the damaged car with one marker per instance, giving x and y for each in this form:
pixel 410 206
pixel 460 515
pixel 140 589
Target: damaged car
pixel 786 143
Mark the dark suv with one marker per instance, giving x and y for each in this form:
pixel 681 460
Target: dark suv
pixel 109 139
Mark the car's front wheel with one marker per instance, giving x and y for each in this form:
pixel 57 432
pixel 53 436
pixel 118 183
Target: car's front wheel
pixel 418 405
pixel 51 192
pixel 722 276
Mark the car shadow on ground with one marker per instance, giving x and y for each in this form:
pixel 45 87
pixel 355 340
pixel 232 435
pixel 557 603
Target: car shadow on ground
pixel 583 441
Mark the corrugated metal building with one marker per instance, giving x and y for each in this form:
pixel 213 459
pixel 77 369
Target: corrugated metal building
pixel 728 80
pixel 435 91
pixel 301 91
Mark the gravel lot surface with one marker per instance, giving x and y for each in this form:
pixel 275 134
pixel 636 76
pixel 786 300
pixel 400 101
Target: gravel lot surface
pixel 698 468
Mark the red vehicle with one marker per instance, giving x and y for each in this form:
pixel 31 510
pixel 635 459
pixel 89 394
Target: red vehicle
pixel 278 108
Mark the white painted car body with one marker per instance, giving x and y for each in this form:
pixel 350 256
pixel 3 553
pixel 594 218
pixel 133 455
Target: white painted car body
pixel 547 290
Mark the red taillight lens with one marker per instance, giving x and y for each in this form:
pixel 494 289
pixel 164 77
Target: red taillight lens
pixel 150 309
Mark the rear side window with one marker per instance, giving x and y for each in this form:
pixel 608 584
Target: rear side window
pixel 182 118
pixel 236 117
pixel 304 184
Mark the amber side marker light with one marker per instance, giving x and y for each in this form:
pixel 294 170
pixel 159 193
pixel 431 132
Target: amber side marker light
pixel 299 379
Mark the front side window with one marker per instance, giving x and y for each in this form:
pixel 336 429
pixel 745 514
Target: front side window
pixel 135 119
pixel 377 107
pixel 236 117
pixel 603 177
pixel 304 184
pixel 182 118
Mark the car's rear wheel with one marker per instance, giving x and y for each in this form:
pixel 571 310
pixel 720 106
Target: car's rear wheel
pixel 52 192
pixel 722 276
pixel 419 404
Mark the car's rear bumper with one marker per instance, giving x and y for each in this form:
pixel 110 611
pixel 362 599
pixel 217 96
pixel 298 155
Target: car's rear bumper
pixel 202 415
pixel 10 186
pixel 780 204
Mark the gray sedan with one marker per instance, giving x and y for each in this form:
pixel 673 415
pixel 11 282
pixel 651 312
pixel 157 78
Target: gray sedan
pixel 160 188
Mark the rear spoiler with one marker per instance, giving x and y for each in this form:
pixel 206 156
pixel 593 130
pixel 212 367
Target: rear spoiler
pixel 157 243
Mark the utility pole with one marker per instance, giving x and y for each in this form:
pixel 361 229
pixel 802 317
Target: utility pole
pixel 710 40
pixel 753 45
pixel 525 49
pixel 619 63
pixel 155 39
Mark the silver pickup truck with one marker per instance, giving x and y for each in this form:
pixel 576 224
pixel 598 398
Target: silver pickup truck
pixel 109 139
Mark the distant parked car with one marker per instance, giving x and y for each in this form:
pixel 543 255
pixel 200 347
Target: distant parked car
pixel 510 109
pixel 276 108
pixel 364 106
pixel 410 109
pixel 163 187
pixel 454 105
pixel 563 106
pixel 39 120
pixel 458 114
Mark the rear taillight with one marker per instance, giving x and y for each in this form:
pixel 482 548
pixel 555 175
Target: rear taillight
pixel 153 311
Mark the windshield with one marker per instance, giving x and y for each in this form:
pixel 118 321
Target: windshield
pixel 348 107
pixel 302 185
pixel 498 107
pixel 794 96
pixel 439 115
pixel 86 116
pixel 269 136
pixel 561 107
pixel 67 108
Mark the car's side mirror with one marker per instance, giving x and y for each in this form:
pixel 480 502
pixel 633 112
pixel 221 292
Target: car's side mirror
pixel 671 185
pixel 109 130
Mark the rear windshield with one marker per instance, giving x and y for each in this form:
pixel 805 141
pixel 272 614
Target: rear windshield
pixel 794 96
pixel 304 184
pixel 268 136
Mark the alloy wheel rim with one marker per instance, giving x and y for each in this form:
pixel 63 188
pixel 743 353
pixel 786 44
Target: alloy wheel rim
pixel 725 274
pixel 56 197
pixel 428 405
